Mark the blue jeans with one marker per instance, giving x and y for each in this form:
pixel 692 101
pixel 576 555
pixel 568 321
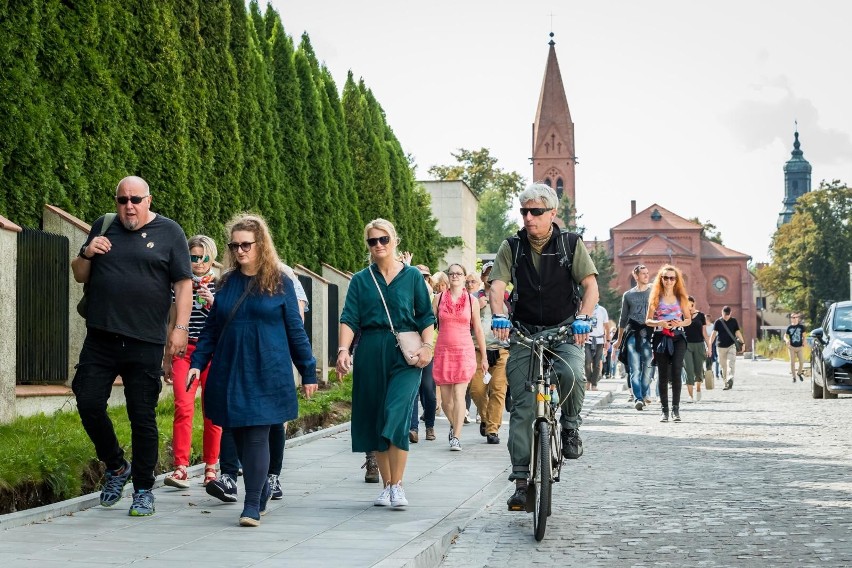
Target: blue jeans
pixel 426 393
pixel 639 360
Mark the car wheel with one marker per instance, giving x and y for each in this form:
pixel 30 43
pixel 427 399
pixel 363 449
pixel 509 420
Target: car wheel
pixel 825 392
pixel 816 390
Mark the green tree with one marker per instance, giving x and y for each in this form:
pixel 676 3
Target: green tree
pixel 810 254
pixel 610 298
pixel 348 218
pixel 568 215
pixel 711 232
pixel 495 189
pixel 493 223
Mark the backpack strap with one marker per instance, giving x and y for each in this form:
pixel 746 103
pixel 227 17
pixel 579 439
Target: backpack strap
pixel 515 246
pixel 108 219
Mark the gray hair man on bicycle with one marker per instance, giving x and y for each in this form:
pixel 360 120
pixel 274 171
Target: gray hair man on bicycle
pixel 547 267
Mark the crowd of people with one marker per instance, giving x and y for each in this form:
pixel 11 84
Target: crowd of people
pixel 236 339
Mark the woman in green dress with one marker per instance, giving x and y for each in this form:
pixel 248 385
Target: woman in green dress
pixel 384 384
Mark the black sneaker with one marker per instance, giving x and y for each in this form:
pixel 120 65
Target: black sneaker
pixel 223 489
pixel 675 414
pixel 801 378
pixel 572 445
pixel 492 439
pixel 518 500
pixel 482 427
pixel 664 415
pixel 275 487
pixel 729 384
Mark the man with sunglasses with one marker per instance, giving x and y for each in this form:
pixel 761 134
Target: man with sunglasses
pixel 546 266
pixel 130 271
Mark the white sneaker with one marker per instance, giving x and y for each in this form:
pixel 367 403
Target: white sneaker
pixel 455 445
pixel 691 399
pixel 384 498
pixel 697 396
pixel 397 496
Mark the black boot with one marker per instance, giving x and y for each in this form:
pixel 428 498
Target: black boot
pixel 518 500
pixel 664 415
pixel 676 413
pixel 572 445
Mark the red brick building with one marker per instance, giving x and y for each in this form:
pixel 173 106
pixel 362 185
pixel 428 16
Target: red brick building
pixel 714 274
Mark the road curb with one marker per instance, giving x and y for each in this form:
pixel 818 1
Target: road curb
pixel 71 506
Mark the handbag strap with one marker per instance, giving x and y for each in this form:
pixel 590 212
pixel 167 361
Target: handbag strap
pixel 725 325
pixel 382 296
pixel 231 315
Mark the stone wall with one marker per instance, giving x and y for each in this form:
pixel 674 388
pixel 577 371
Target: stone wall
pixel 8 317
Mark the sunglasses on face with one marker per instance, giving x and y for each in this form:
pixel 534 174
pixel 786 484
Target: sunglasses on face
pixel 670 278
pixel 199 258
pixel 245 246
pixel 373 241
pixel 535 211
pixel 134 199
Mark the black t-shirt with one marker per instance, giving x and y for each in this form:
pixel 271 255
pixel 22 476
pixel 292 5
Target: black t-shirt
pixel 130 287
pixel 723 338
pixel 796 333
pixel 695 330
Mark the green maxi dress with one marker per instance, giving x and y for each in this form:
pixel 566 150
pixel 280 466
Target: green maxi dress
pixel 383 384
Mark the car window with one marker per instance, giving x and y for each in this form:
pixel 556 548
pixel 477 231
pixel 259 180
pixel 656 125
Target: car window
pixel 843 319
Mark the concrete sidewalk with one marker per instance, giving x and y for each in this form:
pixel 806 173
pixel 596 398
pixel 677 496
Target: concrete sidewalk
pixel 327 517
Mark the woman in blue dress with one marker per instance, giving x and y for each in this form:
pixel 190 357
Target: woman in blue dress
pixel 254 335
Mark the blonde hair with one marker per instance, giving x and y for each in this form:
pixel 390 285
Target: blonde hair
pixel 679 290
pixel 381 225
pixel 440 278
pixel 206 243
pixel 268 264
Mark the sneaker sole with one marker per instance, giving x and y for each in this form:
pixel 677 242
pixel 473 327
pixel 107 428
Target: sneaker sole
pixel 180 484
pixel 399 505
pixel 381 503
pixel 214 491
pixel 249 522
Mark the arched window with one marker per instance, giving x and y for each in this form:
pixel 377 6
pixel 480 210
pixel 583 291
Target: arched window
pixel 548 182
pixel 559 188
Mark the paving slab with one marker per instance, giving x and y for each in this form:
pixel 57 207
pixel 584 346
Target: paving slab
pixel 326 518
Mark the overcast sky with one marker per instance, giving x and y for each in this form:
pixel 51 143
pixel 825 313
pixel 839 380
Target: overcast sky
pixel 684 104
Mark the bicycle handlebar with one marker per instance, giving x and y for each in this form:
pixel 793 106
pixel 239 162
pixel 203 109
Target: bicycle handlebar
pixel 548 339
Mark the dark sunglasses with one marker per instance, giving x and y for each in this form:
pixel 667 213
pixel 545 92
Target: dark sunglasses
pixel 199 258
pixel 134 199
pixel 670 278
pixel 376 240
pixel 536 211
pixel 245 247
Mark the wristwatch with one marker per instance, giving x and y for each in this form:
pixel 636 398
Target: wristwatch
pixel 82 253
pixel 582 317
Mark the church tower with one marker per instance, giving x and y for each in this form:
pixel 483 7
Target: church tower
pixel 797 180
pixel 553 155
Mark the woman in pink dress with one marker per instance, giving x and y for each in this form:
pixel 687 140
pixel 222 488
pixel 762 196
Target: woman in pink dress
pixel 455 360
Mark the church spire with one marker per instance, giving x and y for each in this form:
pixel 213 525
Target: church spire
pixel 797 179
pixel 553 131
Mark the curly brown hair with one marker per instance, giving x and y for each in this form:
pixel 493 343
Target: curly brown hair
pixel 268 276
pixel 679 289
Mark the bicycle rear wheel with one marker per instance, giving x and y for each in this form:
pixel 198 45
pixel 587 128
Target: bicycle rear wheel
pixel 543 481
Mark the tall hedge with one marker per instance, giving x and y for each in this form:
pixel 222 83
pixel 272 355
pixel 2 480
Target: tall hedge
pixel 210 102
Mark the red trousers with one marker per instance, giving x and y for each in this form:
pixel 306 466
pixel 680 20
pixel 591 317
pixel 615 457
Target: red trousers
pixel 185 408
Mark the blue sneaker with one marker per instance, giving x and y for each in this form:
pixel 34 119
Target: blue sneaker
pixel 114 485
pixel 143 503
pixel 275 485
pixel 224 488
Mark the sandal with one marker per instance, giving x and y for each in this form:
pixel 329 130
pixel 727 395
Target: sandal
pixel 179 478
pixel 210 474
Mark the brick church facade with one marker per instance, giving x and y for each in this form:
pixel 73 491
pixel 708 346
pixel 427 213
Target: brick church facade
pixel 714 274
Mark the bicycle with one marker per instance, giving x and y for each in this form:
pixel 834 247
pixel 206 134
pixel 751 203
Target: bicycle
pixel 547 458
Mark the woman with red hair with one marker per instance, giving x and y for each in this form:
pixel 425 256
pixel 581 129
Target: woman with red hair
pixel 668 314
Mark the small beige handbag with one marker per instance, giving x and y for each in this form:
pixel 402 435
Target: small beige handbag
pixel 409 342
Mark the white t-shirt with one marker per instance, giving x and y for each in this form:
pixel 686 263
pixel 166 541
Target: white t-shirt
pixel 598 330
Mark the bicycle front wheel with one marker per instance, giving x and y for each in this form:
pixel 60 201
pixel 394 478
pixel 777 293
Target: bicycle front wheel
pixel 544 480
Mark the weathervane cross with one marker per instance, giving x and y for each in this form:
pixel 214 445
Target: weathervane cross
pixel 551 21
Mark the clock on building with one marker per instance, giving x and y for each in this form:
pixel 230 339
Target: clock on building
pixel 720 284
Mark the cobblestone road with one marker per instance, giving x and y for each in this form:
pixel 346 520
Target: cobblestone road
pixel 760 475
